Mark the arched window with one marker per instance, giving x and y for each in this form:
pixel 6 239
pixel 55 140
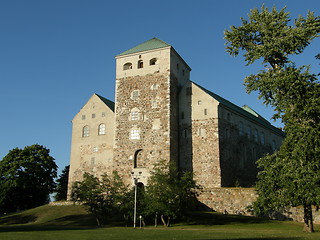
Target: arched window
pixel 256 135
pixel 135 94
pixel 85 131
pixel 262 138
pixel 127 66
pixel 102 129
pixel 273 145
pixel 249 131
pixel 241 128
pixel 137 160
pixel 140 64
pixel 153 61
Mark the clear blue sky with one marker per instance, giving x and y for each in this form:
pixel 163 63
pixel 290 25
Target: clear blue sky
pixel 55 54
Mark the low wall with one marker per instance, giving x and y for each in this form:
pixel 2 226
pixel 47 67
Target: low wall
pixel 236 201
pixel 230 200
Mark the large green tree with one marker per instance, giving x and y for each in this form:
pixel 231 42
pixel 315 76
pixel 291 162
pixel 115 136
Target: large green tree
pixel 291 176
pixel 170 193
pixel 26 178
pixel 61 189
pixel 102 196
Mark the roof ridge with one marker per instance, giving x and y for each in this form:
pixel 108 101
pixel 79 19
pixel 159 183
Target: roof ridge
pixel 153 43
pixel 241 110
pixel 108 102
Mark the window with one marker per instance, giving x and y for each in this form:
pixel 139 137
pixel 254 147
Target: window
pixel 135 134
pixel 102 129
pixel 201 132
pixel 241 128
pixel 127 66
pixel 262 138
pixel 83 117
pixel 205 111
pixel 199 102
pixel 140 64
pixel 85 131
pixel 178 66
pixel 135 94
pixel 154 104
pixel 95 149
pixel 256 135
pixel 93 115
pixel 154 86
pixel 153 61
pixel 227 133
pixel 134 115
pixel 273 145
pixel 249 131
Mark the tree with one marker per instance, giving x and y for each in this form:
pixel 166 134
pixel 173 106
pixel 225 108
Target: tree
pixel 62 185
pixel 101 196
pixel 289 177
pixel 170 193
pixel 26 178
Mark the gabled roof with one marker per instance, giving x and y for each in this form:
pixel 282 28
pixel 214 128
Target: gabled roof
pixel 109 103
pixel 151 44
pixel 245 111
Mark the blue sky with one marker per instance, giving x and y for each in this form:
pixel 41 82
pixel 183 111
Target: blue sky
pixel 55 54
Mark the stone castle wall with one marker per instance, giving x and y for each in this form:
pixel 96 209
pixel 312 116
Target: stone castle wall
pixel 237 201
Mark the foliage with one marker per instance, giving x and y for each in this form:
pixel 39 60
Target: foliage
pixel 26 178
pixel 101 197
pixel 170 193
pixel 62 185
pixel 289 177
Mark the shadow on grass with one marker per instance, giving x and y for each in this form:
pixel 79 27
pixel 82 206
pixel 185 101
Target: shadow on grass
pixel 29 223
pixel 255 238
pixel 212 218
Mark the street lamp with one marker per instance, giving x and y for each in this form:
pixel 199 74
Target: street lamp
pixel 135 179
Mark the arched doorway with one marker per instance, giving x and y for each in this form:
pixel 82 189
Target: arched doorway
pixel 138 159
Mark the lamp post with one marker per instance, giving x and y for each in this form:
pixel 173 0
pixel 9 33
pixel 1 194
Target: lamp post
pixel 135 179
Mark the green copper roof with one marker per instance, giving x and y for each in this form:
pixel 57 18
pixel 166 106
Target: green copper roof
pixel 245 111
pixel 109 103
pixel 151 44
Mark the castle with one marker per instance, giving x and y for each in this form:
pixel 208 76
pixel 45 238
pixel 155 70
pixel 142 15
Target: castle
pixel 159 114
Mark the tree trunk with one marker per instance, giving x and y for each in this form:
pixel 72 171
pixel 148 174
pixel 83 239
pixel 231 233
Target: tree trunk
pixel 166 224
pixel 163 221
pixel 307 217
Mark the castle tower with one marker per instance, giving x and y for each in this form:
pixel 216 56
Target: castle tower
pixel 148 79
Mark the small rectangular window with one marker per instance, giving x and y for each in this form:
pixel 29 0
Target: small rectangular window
pixel 205 111
pixel 134 116
pixel 135 134
pixel 199 102
pixel 135 94
pixel 154 104
pixel 93 115
pixel 83 117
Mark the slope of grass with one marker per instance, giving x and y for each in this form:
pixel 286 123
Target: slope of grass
pixel 71 215
pixel 73 222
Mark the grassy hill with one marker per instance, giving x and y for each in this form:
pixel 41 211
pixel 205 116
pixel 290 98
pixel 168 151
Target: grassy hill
pixel 69 215
pixel 73 222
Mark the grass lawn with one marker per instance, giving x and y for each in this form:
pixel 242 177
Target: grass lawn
pixel 72 222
